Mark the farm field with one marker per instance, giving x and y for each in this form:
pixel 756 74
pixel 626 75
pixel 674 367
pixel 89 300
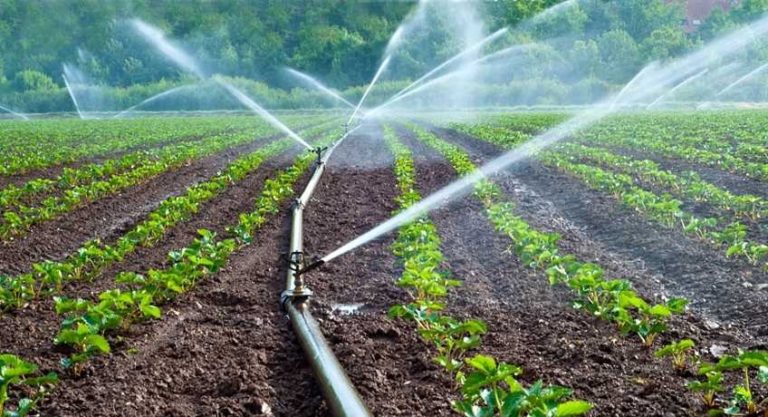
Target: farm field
pixel 142 262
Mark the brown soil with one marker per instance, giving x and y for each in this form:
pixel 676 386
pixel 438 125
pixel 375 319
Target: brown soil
pixel 385 360
pixel 112 216
pixel 667 262
pixel 225 348
pixel 532 324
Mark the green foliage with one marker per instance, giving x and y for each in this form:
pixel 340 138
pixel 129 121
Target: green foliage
pixel 31 80
pixel 612 300
pixel 490 389
pixel 87 324
pixel 338 41
pixel 16 374
pixel 749 364
pixel 678 352
pixel 484 392
pixel 87 262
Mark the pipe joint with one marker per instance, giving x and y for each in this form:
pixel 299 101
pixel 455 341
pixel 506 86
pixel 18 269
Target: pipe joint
pixel 297 204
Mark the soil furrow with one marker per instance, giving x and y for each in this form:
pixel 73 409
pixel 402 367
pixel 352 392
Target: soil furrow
pixel 532 324
pixel 386 361
pixel 111 216
pixel 733 182
pixel 668 262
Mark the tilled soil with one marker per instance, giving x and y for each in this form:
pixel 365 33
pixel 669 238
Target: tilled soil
pixel 385 360
pixel 226 348
pixel 532 324
pixel 722 289
pixel 112 216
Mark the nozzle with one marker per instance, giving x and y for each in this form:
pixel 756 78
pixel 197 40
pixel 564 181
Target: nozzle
pixel 316 263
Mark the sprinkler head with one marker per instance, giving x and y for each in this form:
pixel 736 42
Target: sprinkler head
pixel 319 151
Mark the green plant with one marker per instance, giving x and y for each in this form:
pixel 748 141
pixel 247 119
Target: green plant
pixel 743 400
pixel 490 389
pixel 16 373
pixel 708 389
pixel 678 352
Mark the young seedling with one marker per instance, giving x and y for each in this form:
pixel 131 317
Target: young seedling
pixel 678 352
pixel 743 401
pixel 15 371
pixel 491 389
pixel 708 389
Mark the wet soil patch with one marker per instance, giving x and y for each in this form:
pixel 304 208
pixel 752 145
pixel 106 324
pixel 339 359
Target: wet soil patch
pixel 385 359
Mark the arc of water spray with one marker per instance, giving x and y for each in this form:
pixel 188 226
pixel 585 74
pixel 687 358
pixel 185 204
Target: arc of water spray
pixel 317 84
pixel 14 113
pixel 153 98
pixel 155 37
pixel 648 80
pixel 72 96
pixel 687 81
pixel 446 77
pixel 248 102
pixel 742 79
pixel 488 39
pixel 370 86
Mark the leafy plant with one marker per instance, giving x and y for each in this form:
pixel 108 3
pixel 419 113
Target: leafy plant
pixel 490 389
pixel 678 352
pixel 743 399
pixel 16 373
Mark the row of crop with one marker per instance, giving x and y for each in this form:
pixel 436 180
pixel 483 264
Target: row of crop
pixel 18 221
pixel 701 147
pixel 688 185
pixel 739 133
pixel 613 300
pixel 13 195
pixel 609 299
pixel 663 208
pixel 40 144
pixel 70 178
pixel 488 387
pixel 731 141
pixel 87 324
pixel 44 143
pixel 87 262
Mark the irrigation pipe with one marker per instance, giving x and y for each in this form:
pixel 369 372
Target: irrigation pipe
pixel 340 395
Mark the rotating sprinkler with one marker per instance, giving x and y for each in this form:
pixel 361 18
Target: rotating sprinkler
pixel 319 152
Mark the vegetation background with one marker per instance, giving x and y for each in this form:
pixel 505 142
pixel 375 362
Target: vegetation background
pixel 602 43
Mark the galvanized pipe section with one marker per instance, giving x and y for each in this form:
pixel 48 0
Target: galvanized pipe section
pixel 340 395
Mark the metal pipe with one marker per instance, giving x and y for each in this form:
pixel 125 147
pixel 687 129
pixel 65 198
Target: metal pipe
pixel 340 395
